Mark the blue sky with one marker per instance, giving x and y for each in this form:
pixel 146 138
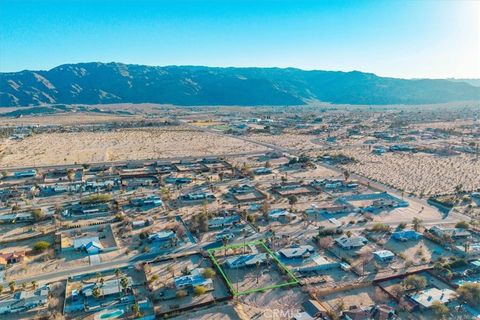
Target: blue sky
pixel 400 38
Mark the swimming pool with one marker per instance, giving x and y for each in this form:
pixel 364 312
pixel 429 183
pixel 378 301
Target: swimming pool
pixel 112 315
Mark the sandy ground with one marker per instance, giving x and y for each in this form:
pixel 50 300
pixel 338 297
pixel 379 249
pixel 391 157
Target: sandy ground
pixel 417 173
pixel 61 148
pixel 67 119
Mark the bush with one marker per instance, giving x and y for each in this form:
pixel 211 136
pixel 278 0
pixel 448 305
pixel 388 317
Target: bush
pixel 181 293
pixel 470 293
pixel 96 198
pixel 41 246
pixel 199 290
pixel 208 273
pixel 462 225
pixel 379 227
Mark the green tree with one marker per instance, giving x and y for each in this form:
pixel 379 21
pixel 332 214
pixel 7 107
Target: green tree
pixel 41 246
pixel 470 293
pixel 124 283
pixel 441 311
pixel 12 285
pixel 136 310
pixel 96 292
pixel 415 282
pixel 38 214
pixel 417 223
pixel 208 273
pixel 199 290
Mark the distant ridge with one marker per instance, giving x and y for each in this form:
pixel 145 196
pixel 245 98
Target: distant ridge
pixel 94 83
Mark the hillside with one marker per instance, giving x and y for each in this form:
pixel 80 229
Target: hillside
pixel 93 83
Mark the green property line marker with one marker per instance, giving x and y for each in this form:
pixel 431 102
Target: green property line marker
pixel 280 265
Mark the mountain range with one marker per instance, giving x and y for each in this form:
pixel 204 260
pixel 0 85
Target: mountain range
pixel 98 83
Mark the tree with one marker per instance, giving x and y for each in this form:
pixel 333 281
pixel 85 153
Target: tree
pixel 41 246
pixel 136 310
pixel 171 269
pixel 462 225
pixel 346 175
pixel 12 285
pixel 441 311
pixel 34 284
pixel 265 209
pixel 124 283
pixel 96 292
pixel 224 242
pixel 1 289
pixel 415 282
pixel 71 175
pixel 185 271
pixel 292 200
pixel 417 223
pixel 470 293
pixel 199 290
pixel 208 273
pixel 38 214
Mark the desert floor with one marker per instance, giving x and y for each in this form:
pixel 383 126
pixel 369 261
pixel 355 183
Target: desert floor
pixel 418 173
pixel 126 144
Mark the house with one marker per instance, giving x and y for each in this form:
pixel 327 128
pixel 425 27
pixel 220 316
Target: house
pixel 178 181
pixel 194 279
pixel 25 173
pixel 91 245
pixel 245 188
pixel 313 310
pixel 197 197
pixel 150 201
pixel 424 299
pixel 449 232
pixel 297 252
pixel 262 170
pixel 25 300
pixel 378 312
pixel 162 236
pixel 11 257
pixel 246 260
pixel 222 222
pixel 406 235
pixel 383 255
pixel 111 287
pixel 351 243
pixel 281 214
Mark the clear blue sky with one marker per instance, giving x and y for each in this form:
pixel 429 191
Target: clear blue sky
pixel 401 38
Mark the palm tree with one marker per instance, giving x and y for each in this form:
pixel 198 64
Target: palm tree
pixel 225 242
pixel 257 265
pixel 136 309
pixel 124 283
pixel 117 275
pixel 171 269
pixel 416 222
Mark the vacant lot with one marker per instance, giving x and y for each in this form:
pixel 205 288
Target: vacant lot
pixel 125 144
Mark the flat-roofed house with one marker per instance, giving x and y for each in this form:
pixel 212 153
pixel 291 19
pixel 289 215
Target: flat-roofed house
pixel 351 243
pixel 246 260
